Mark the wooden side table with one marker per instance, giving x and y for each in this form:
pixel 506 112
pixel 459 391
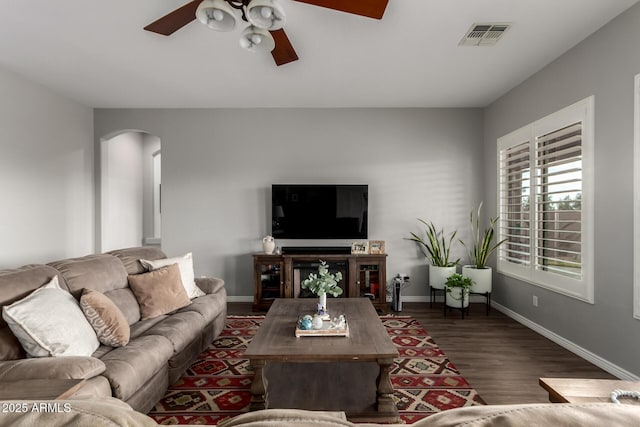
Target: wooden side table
pixel 52 389
pixel 577 390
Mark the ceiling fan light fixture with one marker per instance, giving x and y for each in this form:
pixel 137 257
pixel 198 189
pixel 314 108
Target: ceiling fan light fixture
pixel 216 14
pixel 256 39
pixel 266 14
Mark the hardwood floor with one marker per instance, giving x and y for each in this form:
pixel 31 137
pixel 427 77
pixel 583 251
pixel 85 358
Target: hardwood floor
pixel 500 358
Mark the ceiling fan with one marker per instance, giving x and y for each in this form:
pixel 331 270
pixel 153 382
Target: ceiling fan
pixel 266 19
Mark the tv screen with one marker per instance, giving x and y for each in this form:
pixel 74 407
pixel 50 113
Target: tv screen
pixel 319 211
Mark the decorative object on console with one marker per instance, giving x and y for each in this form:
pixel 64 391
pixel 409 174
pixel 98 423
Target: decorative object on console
pixel 268 244
pixel 376 247
pixel 360 248
pixel 322 284
pixel 49 322
pixel 479 252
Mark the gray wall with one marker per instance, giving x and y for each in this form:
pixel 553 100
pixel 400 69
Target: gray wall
pixel 603 65
pixel 46 174
pixel 218 166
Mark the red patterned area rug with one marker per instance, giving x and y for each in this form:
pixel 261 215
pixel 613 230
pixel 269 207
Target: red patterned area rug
pixel 217 385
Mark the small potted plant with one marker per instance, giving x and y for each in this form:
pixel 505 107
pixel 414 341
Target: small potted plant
pixel 437 249
pixel 322 284
pixel 479 251
pixel 457 290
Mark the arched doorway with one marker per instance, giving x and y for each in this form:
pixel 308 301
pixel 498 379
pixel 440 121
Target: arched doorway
pixel 130 190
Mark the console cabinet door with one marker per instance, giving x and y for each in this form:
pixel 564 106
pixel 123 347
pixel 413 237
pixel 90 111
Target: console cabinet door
pixel 269 281
pixel 370 280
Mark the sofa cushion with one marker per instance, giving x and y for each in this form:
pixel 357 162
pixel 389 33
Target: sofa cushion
pixel 180 329
pixel 71 367
pixel 126 301
pixel 131 366
pixel 185 264
pixel 289 418
pixel 49 322
pixel 139 328
pixel 159 291
pixel 131 257
pixel 208 306
pixel 16 284
pixel 537 415
pixel 101 272
pixel 105 317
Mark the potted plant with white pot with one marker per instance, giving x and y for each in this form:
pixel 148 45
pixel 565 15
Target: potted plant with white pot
pixel 437 249
pixel 458 288
pixel 479 251
pixel 322 284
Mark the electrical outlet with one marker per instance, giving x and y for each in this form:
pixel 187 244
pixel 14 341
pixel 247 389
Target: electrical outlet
pixel 535 301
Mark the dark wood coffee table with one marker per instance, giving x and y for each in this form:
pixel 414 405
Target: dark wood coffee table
pixel 319 373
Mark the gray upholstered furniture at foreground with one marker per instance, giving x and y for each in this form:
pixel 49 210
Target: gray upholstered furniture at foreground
pixel 159 350
pixel 111 413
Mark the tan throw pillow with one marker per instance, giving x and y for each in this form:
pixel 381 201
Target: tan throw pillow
pixel 185 264
pixel 106 318
pixel 159 291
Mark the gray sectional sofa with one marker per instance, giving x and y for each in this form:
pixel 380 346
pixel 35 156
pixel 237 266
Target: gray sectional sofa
pixel 159 350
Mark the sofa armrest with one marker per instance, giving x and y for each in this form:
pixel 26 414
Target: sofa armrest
pixel 68 367
pixel 210 285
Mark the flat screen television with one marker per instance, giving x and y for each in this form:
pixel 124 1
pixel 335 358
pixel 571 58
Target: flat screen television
pixel 319 211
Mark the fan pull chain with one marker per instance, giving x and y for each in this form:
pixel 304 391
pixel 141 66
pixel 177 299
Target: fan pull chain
pixel 622 393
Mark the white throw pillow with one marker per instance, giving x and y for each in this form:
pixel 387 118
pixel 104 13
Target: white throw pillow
pixel 185 264
pixel 49 322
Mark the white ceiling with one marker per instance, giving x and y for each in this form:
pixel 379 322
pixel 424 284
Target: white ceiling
pixel 97 53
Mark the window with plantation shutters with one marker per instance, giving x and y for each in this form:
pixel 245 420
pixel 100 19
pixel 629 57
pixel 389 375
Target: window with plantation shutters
pixel 545 202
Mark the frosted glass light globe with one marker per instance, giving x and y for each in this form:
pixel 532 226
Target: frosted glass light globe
pixel 218 15
pixel 266 12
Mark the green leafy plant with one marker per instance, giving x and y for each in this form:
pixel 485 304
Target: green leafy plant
pixel 323 282
pixel 435 247
pixel 482 245
pixel 459 281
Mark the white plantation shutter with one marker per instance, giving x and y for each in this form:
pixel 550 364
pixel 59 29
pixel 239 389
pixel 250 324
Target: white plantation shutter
pixel 545 202
pixel 515 192
pixel 559 210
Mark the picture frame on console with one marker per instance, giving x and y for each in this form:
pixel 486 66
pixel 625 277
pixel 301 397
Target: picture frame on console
pixel 376 247
pixel 360 248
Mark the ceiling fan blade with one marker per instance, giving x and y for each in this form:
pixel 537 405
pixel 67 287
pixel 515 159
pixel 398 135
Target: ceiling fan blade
pixel 175 20
pixel 370 8
pixel 283 53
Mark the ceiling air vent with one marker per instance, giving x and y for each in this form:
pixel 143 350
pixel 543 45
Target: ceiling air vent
pixel 484 34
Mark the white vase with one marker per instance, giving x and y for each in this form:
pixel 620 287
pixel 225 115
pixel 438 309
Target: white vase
pixel 454 298
pixel 322 303
pixel 268 244
pixel 438 275
pixel 481 278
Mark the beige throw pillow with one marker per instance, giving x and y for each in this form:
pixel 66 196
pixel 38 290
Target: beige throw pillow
pixel 159 292
pixel 49 322
pixel 185 263
pixel 105 317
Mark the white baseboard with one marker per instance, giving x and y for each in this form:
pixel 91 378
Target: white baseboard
pixel 600 362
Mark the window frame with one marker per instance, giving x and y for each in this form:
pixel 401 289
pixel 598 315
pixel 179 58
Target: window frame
pixel 583 288
pixel 636 198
